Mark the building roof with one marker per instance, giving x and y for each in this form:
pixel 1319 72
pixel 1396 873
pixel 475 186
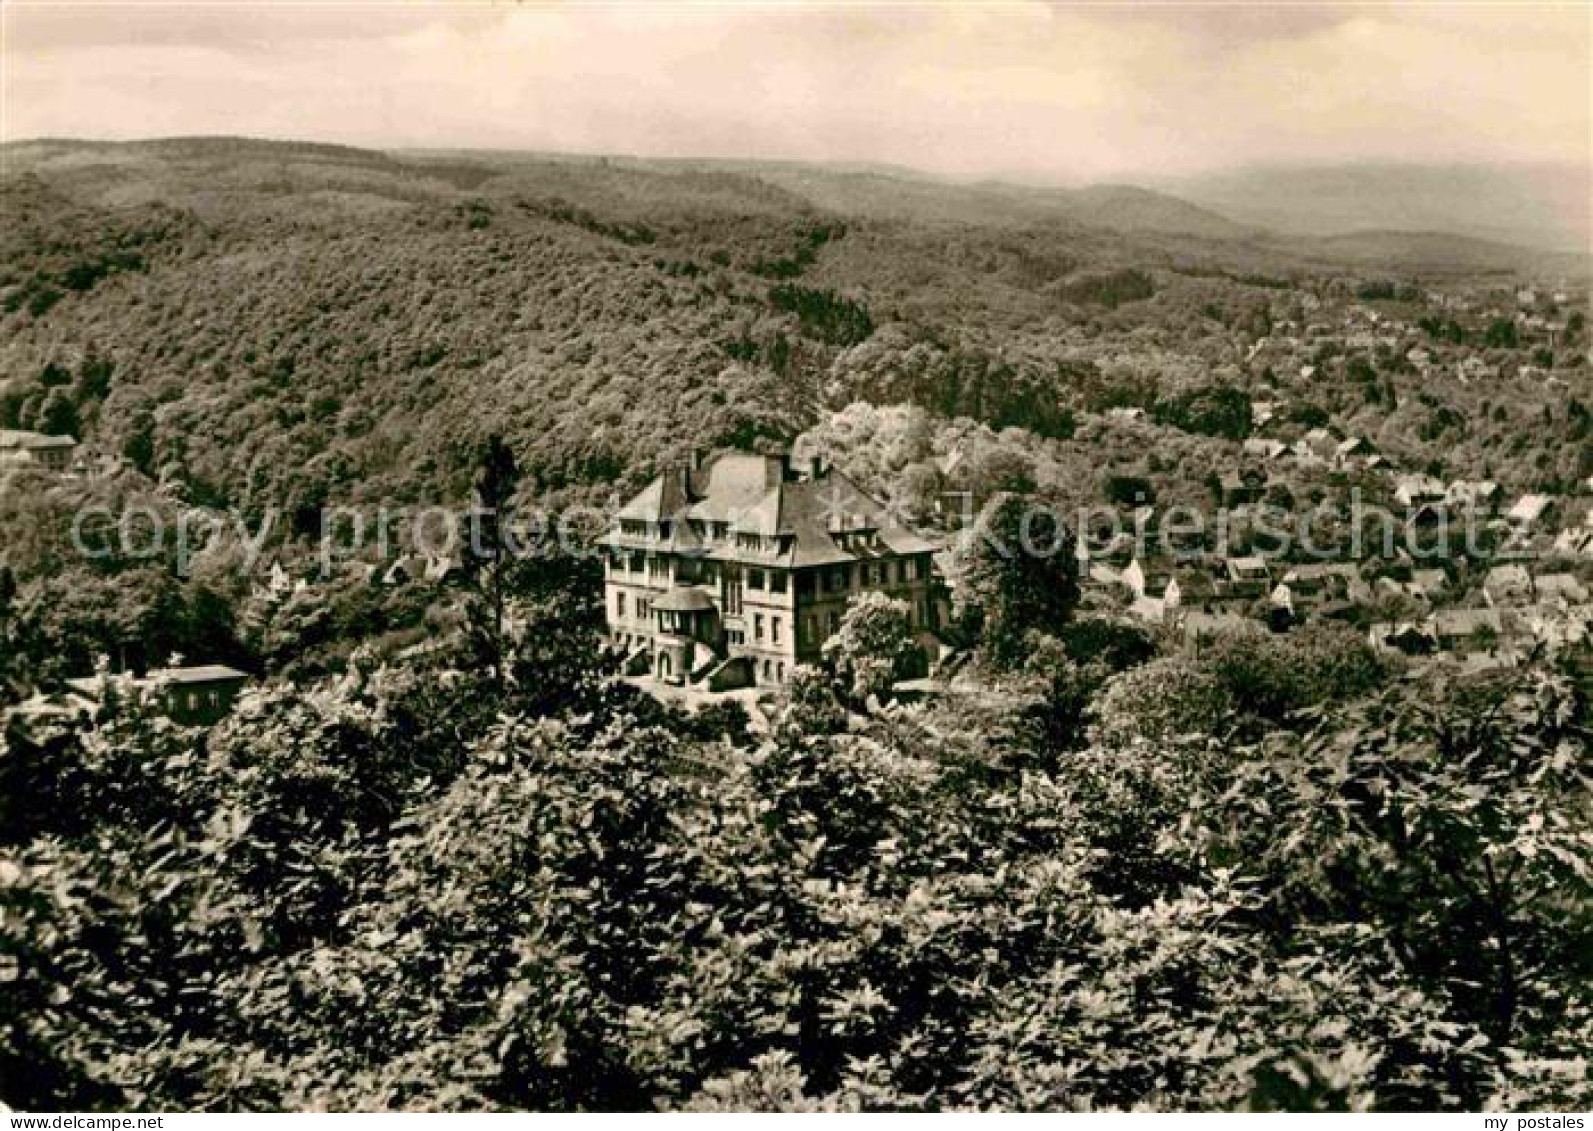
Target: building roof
pixel 1431 580
pixel 1530 508
pixel 819 520
pixel 684 599
pixel 11 438
pixel 733 482
pixel 1561 585
pixel 661 499
pixel 202 673
pixel 1463 622
pixel 1473 490
pixel 1248 564
pixel 1513 574
pixel 1417 488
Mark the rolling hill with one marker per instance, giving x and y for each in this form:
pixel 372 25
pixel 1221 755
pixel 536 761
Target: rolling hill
pixel 1543 207
pixel 280 323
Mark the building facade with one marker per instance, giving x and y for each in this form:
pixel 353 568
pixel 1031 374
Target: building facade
pixel 736 569
pixel 34 449
pixel 193 696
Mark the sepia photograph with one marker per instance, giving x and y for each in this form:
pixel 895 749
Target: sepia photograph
pixel 796 556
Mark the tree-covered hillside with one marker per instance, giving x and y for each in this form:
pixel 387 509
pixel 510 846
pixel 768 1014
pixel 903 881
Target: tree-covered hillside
pixel 276 324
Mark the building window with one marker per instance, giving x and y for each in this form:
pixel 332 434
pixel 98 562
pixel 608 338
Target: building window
pixel 755 578
pixel 777 581
pixel 757 626
pixel 774 630
pixel 619 606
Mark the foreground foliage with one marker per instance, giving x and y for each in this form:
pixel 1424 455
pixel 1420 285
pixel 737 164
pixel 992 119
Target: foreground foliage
pixel 404 888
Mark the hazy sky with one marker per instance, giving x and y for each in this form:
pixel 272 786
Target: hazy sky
pixel 1041 91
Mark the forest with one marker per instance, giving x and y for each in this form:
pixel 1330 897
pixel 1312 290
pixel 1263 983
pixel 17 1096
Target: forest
pixel 430 863
pixel 1115 877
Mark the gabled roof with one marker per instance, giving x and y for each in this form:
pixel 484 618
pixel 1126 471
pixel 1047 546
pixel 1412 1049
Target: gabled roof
pixel 829 519
pixel 798 522
pixel 731 483
pixel 661 499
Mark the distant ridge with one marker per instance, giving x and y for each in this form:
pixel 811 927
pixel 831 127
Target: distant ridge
pixel 1549 207
pixel 1324 216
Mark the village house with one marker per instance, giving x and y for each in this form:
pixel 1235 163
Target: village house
pixel 1481 496
pixel 35 449
pixel 1507 585
pixel 1314 583
pixel 1281 609
pixel 1257 447
pixel 1560 588
pixel 1415 491
pixel 1463 631
pixel 1155 589
pixel 736 569
pixel 1317 446
pixel 1393 589
pixel 1248 576
pixel 1558 627
pixel 1575 542
pixel 1242 488
pixel 1429 584
pixel 1356 451
pixel 194 696
pixel 1530 511
pixel 1405 637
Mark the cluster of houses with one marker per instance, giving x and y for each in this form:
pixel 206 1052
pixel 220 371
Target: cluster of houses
pixel 1521 612
pixel 1521 581
pixel 1527 589
pixel 1538 317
